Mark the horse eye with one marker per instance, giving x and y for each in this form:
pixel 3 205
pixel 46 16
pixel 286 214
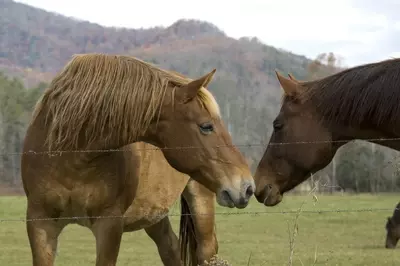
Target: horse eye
pixel 277 125
pixel 206 128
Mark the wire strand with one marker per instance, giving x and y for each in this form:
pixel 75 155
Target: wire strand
pixel 57 152
pixel 321 211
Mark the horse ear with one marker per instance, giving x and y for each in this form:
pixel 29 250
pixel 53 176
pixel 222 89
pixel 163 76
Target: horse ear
pixel 288 85
pixel 210 77
pixel 189 91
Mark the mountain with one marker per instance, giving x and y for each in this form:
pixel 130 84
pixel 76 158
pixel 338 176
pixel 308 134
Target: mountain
pixel 44 41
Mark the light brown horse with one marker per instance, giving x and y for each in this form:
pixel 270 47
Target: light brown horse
pixel 154 199
pixel 99 103
pixel 317 117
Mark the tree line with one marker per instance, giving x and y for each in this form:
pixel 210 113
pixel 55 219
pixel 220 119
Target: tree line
pixel 16 104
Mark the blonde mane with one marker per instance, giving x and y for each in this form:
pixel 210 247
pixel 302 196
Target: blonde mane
pixel 110 98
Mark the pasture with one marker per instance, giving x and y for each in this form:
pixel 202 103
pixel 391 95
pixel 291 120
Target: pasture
pixel 332 238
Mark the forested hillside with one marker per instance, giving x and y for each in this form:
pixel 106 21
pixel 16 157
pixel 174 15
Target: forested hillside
pixel 35 44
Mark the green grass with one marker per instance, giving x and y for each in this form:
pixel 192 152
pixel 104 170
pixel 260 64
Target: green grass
pixel 347 238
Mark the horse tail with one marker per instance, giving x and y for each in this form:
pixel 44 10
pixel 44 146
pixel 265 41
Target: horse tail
pixel 187 236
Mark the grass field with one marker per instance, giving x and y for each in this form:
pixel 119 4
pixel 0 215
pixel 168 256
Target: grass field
pixel 334 238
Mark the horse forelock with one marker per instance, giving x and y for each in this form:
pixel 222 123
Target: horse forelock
pixel 208 101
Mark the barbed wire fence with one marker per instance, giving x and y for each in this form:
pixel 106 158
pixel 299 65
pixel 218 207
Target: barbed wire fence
pixel 292 225
pixel 320 211
pixel 261 144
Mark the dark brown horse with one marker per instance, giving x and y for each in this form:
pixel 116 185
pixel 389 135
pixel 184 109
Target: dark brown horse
pixel 393 228
pixel 317 117
pixel 100 103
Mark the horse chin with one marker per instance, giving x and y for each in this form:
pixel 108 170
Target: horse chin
pixel 272 201
pixel 270 196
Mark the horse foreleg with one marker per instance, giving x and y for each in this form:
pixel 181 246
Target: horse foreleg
pixel 43 236
pixel 167 242
pixel 108 234
pixel 201 202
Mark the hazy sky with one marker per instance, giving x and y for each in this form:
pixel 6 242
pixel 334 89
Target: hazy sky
pixel 361 31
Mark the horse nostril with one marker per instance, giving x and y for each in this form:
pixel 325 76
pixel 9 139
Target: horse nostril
pixel 268 189
pixel 225 194
pixel 249 191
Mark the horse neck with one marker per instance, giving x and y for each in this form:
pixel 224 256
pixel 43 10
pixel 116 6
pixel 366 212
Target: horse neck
pixel 384 136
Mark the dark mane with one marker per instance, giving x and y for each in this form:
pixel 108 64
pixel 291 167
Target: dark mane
pixel 366 94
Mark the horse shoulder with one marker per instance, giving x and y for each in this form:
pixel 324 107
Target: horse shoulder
pixel 159 187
